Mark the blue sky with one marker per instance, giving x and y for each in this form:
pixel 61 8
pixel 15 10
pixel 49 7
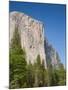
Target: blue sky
pixel 54 18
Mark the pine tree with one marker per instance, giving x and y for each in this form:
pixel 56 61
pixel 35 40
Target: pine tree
pixel 62 75
pixel 17 63
pixel 41 74
pixel 44 75
pixel 30 75
pixel 37 67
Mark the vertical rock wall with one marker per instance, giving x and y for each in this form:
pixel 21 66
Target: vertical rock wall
pixel 32 35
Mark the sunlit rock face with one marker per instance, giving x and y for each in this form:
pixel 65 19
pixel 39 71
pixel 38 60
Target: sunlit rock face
pixel 32 35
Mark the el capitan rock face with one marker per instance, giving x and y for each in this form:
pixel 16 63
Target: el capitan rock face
pixel 32 35
pixel 52 57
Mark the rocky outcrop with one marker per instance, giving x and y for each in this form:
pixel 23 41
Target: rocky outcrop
pixel 32 39
pixel 52 56
pixel 32 35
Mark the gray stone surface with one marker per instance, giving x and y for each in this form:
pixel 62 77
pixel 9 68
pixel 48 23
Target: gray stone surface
pixel 52 56
pixel 32 35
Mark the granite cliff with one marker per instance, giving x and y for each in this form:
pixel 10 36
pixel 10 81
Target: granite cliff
pixel 52 56
pixel 32 35
pixel 31 32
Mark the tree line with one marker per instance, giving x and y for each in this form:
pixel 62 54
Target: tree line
pixel 23 75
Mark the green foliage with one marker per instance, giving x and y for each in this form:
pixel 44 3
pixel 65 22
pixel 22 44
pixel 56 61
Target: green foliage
pixel 17 69
pixel 37 72
pixel 16 43
pixel 31 75
pixel 45 77
pixel 41 74
pixel 57 77
pixel 17 63
pixel 62 75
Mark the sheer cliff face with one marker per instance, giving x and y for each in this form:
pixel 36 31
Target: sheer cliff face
pixel 32 35
pixel 52 56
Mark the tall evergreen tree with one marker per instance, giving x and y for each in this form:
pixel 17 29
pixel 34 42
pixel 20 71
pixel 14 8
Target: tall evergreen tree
pixel 30 75
pixel 41 75
pixel 44 75
pixel 17 63
pixel 62 75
